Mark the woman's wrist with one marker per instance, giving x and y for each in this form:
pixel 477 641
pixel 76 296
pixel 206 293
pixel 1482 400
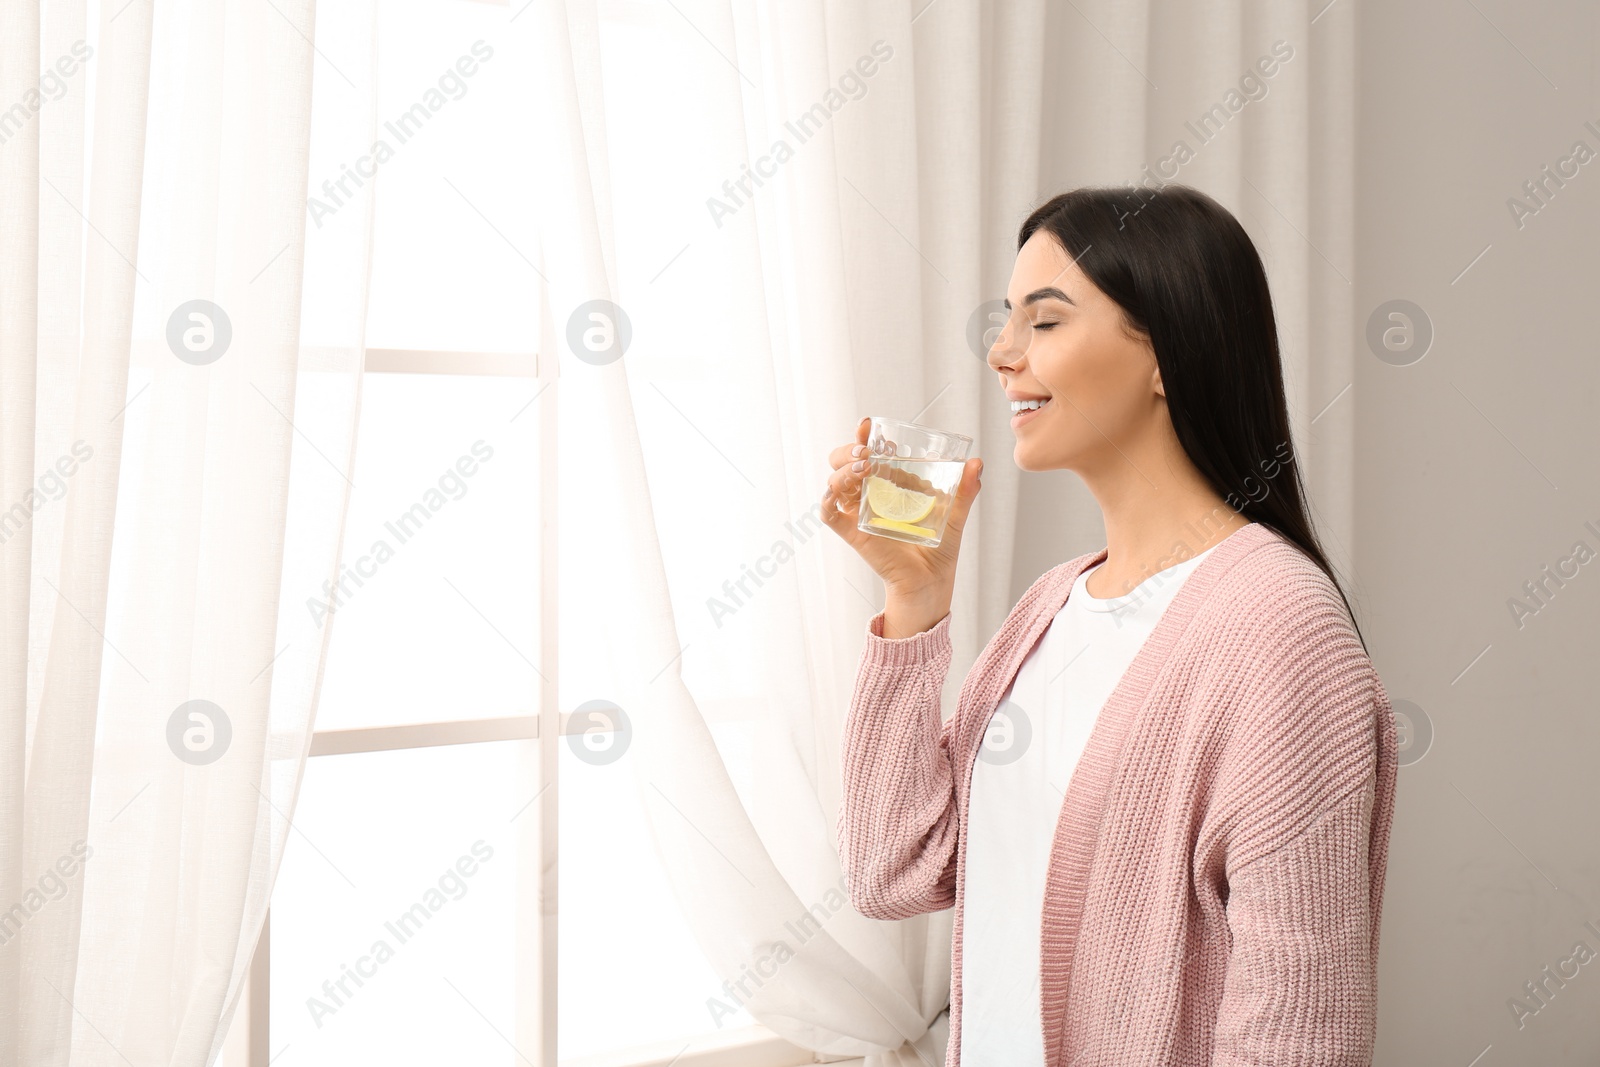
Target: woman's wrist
pixel 907 616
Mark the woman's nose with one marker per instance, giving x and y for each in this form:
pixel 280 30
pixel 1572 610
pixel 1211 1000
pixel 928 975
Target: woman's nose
pixel 1005 349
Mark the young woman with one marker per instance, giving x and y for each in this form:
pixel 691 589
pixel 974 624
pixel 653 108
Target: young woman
pixel 1161 809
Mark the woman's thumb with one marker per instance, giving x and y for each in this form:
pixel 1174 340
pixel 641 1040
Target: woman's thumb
pixel 967 491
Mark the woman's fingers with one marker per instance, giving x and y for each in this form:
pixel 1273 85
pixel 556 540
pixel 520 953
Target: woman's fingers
pixel 850 464
pixel 845 486
pixel 843 491
pixel 844 455
pixel 966 493
pixel 840 516
pixel 849 477
pixel 839 500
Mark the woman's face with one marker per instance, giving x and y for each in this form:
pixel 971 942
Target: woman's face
pixel 1065 341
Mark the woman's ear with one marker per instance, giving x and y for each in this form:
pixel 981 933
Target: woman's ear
pixel 1155 383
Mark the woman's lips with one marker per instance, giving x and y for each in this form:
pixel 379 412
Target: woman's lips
pixel 1028 415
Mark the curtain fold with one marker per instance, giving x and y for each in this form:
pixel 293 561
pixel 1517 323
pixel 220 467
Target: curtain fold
pixel 177 444
pixel 799 210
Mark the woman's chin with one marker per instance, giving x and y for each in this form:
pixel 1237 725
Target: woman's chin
pixel 1029 456
pixel 1025 458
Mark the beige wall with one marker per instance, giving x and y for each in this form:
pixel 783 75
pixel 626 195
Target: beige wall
pixel 1476 468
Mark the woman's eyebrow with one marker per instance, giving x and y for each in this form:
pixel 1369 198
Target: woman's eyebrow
pixel 1049 292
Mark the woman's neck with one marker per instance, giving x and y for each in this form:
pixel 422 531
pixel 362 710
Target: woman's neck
pixel 1156 519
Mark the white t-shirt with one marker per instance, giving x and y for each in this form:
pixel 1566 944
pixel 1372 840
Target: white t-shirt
pixel 1018 784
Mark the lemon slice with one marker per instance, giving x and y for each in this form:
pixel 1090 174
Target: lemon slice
pixel 903 527
pixel 897 503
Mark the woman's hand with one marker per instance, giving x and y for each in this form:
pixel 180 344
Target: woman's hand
pixel 918 581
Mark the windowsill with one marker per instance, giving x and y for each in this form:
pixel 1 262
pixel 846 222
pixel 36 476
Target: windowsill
pixel 750 1046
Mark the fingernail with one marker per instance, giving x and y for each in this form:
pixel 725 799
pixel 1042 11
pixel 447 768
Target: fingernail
pixel 859 450
pixel 859 465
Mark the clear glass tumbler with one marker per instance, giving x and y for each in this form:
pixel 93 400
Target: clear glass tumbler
pixel 911 480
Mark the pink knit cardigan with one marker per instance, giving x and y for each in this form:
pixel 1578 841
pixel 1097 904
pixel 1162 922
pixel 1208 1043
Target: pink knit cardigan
pixel 1217 870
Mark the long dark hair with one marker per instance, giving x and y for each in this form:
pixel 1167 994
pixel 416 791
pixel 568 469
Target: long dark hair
pixel 1187 277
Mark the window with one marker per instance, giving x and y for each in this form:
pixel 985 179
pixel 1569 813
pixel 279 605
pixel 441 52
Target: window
pixel 406 923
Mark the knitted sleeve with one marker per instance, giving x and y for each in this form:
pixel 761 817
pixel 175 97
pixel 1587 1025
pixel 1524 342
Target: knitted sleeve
pixel 1301 983
pixel 1305 850
pixel 897 827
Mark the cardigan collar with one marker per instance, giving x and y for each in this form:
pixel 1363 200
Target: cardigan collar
pixel 1058 585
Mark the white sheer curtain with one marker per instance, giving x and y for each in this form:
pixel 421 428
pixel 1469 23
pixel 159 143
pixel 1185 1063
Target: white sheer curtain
pixel 173 478
pixel 798 208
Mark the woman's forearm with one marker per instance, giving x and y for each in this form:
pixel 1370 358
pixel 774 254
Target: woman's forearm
pixel 909 614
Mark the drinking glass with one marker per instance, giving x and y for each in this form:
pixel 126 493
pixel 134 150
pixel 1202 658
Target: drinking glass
pixel 910 480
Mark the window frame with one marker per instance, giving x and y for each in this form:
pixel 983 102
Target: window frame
pixel 538 838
